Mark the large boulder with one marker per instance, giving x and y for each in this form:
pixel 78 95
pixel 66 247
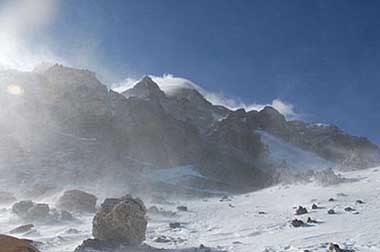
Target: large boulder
pixel 77 201
pixel 121 220
pixel 12 244
pixel 21 208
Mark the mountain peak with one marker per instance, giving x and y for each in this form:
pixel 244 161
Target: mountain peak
pixel 145 88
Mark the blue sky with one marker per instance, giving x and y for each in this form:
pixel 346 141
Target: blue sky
pixel 322 57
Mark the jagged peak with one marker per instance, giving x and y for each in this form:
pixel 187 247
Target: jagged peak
pixel 144 88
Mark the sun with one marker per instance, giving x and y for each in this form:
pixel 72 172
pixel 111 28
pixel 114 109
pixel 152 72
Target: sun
pixel 15 90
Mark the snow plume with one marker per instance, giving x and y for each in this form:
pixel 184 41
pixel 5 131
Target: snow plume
pixel 169 83
pixel 19 22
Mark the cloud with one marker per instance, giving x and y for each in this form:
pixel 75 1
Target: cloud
pixel 169 83
pixel 19 21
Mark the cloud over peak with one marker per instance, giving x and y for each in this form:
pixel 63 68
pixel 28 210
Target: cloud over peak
pixel 169 83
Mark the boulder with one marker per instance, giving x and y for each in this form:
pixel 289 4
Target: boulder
pixel 182 208
pixel 175 225
pixel 301 210
pixel 38 211
pixel 22 229
pixel 297 223
pixel 334 248
pixel 314 206
pixel 331 211
pixel 360 202
pixel 349 209
pixel 21 208
pixel 121 220
pixel 12 244
pixel 77 201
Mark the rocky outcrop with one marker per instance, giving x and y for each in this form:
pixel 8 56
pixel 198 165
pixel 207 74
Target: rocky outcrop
pixel 77 201
pixel 12 244
pixel 121 220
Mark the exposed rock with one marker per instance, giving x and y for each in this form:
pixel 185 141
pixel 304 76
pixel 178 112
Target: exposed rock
pixel 297 223
pixel 331 199
pixel 175 225
pixel 77 201
pixel 162 239
pixel 301 210
pixel 38 211
pixel 349 209
pixel 331 211
pixel 360 202
pixel 182 208
pixel 314 206
pixel 12 244
pixel 22 229
pixel 121 220
pixel 334 248
pixel 310 220
pixel 21 208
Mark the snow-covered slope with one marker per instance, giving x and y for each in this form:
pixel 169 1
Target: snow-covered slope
pixel 236 224
pixel 283 153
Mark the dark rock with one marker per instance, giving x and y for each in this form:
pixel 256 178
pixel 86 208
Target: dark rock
pixel 331 199
pixel 162 239
pixel 262 212
pixel 297 223
pixel 331 211
pixel 314 206
pixel 182 208
pixel 310 220
pixel 360 202
pixel 121 220
pixel 22 229
pixel 301 210
pixel 334 248
pixel 77 201
pixel 349 209
pixel 175 225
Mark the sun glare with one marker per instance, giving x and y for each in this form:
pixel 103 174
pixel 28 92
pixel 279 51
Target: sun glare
pixel 15 90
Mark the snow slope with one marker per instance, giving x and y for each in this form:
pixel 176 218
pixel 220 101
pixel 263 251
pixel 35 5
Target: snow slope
pixel 235 224
pixel 295 158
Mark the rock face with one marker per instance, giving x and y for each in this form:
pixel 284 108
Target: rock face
pixel 77 201
pixel 66 124
pixel 121 220
pixel 12 244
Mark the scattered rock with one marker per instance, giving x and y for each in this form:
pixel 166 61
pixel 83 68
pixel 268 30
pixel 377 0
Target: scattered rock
pixel 162 239
pixel 331 211
pixel 121 220
pixel 225 198
pixel 349 209
pixel 22 229
pixel 360 202
pixel 301 210
pixel 12 244
pixel 297 223
pixel 182 208
pixel 6 198
pixel 262 212
pixel 77 201
pixel 334 248
pixel 331 199
pixel 314 206
pixel 175 225
pixel 310 220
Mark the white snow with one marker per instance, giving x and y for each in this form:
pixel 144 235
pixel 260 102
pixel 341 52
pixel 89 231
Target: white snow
pixel 236 225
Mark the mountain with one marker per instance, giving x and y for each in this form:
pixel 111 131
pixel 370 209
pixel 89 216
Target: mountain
pixel 61 122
